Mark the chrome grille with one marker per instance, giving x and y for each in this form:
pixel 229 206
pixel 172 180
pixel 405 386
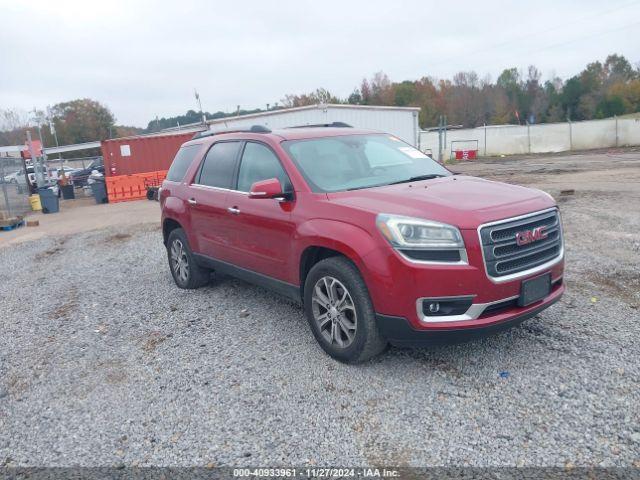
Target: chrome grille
pixel 503 256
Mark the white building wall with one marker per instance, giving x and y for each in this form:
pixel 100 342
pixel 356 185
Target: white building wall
pixel 402 122
pixel 542 138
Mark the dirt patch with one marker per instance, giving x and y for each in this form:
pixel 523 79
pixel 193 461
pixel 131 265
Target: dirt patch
pixel 48 253
pixel 622 285
pixel 118 237
pixel 68 307
pixel 154 339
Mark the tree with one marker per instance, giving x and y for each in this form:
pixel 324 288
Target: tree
pixel 82 120
pixel 319 96
pixel 405 94
pixel 610 106
pixel 570 97
pixel 355 98
pixel 618 68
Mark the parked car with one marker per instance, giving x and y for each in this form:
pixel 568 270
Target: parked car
pixel 13 177
pixel 55 173
pixel 80 176
pixel 380 243
pixel 20 179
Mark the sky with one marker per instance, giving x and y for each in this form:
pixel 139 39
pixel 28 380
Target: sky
pixel 144 58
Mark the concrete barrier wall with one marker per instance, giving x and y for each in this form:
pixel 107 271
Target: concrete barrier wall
pixel 542 138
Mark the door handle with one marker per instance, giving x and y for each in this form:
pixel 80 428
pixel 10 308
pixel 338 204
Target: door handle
pixel 234 210
pixel 192 201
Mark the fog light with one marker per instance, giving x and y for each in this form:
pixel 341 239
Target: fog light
pixel 440 307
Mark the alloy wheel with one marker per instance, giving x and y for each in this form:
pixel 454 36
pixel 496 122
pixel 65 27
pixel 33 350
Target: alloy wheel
pixel 179 260
pixel 334 312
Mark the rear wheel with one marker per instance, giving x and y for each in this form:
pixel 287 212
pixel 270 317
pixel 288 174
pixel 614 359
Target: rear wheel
pixel 184 269
pixel 340 312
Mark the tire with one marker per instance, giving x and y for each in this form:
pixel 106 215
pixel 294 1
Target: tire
pixel 185 271
pixel 345 327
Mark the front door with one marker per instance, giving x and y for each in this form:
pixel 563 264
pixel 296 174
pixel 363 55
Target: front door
pixel 262 227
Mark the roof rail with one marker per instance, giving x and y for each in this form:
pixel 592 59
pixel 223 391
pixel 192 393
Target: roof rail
pixel 325 125
pixel 253 129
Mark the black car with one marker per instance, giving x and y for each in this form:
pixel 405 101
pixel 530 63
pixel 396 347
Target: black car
pixel 79 178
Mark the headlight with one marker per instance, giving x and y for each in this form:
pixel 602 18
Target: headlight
pixel 415 234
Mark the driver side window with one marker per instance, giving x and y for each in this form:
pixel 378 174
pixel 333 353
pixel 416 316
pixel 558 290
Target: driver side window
pixel 260 163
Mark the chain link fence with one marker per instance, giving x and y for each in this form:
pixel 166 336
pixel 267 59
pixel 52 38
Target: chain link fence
pixel 14 193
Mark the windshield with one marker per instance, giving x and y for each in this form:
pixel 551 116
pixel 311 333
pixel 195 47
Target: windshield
pixel 350 162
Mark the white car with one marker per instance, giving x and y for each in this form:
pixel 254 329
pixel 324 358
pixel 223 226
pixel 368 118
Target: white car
pixel 13 177
pixel 55 174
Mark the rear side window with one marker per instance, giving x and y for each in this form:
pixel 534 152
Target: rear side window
pixel 260 163
pixel 219 165
pixel 181 163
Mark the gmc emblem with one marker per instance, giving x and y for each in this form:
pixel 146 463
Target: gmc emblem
pixel 529 236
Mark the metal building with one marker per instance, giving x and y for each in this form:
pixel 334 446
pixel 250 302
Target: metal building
pixel 399 121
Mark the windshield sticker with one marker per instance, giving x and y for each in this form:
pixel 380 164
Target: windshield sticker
pixel 412 152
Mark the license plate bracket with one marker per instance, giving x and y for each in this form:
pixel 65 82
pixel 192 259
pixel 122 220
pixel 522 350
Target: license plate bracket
pixel 534 289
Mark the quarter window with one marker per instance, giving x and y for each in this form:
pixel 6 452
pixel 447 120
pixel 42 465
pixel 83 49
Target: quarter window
pixel 219 165
pixel 260 163
pixel 180 163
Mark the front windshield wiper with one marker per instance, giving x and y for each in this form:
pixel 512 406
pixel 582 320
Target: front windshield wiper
pixel 412 179
pixel 419 177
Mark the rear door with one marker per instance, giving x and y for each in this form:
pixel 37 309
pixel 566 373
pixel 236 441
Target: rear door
pixel 262 228
pixel 207 200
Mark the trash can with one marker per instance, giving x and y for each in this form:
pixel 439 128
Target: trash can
pixel 67 192
pixel 99 190
pixel 49 201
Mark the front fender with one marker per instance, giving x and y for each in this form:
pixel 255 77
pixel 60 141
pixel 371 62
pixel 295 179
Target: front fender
pixel 357 244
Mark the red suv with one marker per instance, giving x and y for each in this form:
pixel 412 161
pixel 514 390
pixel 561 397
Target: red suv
pixel 379 242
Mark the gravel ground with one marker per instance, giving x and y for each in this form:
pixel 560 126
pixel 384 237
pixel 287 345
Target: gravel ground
pixel 112 364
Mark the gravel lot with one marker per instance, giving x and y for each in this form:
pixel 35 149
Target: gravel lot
pixel 103 361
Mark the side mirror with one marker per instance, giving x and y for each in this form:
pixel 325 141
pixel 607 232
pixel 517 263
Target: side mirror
pixel 269 188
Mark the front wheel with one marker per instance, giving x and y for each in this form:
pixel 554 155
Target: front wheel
pixel 184 269
pixel 340 312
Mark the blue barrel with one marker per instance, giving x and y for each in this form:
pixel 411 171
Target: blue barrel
pixel 49 200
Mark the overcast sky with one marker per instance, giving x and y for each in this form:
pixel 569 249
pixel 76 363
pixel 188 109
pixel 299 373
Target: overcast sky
pixel 143 59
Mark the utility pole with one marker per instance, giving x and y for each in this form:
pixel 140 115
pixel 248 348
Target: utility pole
pixel 52 129
pixel 37 120
pixel 37 166
pixel 204 120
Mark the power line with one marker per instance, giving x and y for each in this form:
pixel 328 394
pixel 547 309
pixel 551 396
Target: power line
pixel 537 33
pixel 598 34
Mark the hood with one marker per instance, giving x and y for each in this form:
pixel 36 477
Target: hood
pixel 463 201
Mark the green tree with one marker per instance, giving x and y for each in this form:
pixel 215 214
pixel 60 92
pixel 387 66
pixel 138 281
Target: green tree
pixel 82 120
pixel 610 106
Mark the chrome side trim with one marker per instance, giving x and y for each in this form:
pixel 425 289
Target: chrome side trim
pixel 474 311
pixel 524 273
pixel 221 189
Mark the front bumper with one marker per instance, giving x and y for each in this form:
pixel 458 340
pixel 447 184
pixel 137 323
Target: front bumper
pixel 399 331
